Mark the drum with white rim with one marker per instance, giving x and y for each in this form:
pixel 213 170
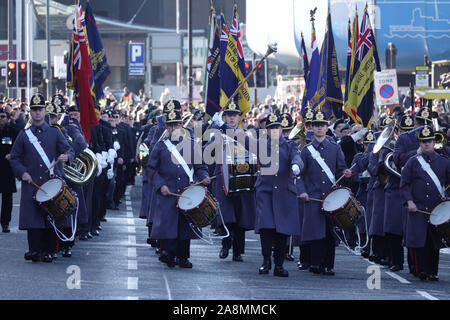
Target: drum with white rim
pixel 343 209
pixel 440 218
pixel 198 206
pixel 56 198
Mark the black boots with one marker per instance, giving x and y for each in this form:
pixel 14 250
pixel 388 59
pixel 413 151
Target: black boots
pixel 266 266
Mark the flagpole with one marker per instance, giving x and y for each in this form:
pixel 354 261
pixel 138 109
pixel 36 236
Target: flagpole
pixel 49 72
pixel 189 19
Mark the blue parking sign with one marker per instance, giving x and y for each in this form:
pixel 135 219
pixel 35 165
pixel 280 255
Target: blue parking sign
pixel 136 59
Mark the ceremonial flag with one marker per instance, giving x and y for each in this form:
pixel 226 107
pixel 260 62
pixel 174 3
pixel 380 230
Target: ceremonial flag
pixel 233 69
pixel 328 95
pixel 212 79
pixel 313 71
pixel 360 105
pixel 79 73
pixel 97 55
pixel 304 55
pixel 349 60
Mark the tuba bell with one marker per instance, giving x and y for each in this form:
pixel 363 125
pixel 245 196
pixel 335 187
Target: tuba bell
pixel 82 169
pixel 387 138
pixel 390 165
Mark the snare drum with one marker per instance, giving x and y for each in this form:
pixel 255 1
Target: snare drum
pixel 343 209
pixel 440 218
pixel 55 197
pixel 198 206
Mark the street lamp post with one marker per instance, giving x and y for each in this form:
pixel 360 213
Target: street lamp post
pixel 189 19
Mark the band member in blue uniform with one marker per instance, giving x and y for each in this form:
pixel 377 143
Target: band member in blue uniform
pixel 238 209
pixel 169 225
pixel 406 147
pixel 424 179
pixel 8 134
pixel 32 153
pixel 323 162
pixel 276 196
pixel 394 212
pixel 362 176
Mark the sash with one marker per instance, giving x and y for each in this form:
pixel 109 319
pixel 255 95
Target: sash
pixel 316 156
pixel 34 141
pixel 427 168
pixel 173 150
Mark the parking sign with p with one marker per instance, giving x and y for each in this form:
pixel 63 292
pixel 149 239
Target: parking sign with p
pixel 136 59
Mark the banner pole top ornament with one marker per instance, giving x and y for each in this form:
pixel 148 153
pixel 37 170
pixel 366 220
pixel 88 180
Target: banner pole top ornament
pixel 312 14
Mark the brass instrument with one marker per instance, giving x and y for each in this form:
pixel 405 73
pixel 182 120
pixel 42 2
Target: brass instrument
pixel 299 134
pixel 440 137
pixel 82 169
pixel 387 138
pixel 390 165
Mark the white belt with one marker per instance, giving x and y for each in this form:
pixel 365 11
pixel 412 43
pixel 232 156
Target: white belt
pixel 173 150
pixel 316 156
pixel 34 141
pixel 427 168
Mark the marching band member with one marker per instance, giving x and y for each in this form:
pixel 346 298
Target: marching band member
pixel 361 175
pixel 394 212
pixel 170 177
pixel 8 135
pixel 424 178
pixel 323 161
pixel 276 197
pixel 406 147
pixel 377 169
pixel 30 158
pixel 238 210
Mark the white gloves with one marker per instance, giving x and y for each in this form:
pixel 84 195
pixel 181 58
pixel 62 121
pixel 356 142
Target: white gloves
pixel 295 169
pixel 217 118
pixel 99 168
pixel 101 159
pixel 116 145
pixel 112 154
pixel 110 173
pixel 358 135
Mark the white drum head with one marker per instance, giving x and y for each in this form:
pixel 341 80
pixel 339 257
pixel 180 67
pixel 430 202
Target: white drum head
pixel 441 213
pixel 336 199
pixel 51 188
pixel 191 197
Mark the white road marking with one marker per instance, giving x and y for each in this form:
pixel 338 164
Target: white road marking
pixel 169 294
pixel 130 221
pixel 132 298
pixel 445 250
pixel 397 277
pixel 128 203
pixel 131 229
pixel 132 253
pixel 426 295
pixel 129 208
pixel 132 265
pixel 133 283
pixel 132 240
pixel 130 214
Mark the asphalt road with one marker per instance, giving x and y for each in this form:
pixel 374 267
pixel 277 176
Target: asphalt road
pixel 119 264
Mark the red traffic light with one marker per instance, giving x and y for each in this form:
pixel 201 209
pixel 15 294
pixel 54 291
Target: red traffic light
pixel 23 65
pixel 247 66
pixel 11 65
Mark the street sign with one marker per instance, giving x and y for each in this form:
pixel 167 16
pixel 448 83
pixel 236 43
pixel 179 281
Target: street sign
pixel 422 77
pixel 136 59
pixel 386 87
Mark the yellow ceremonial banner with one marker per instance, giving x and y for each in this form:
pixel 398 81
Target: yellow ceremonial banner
pixel 233 75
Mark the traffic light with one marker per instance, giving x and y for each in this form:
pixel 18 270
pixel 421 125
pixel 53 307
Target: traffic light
pixel 248 68
pixel 22 74
pixel 260 74
pixel 37 74
pixel 11 75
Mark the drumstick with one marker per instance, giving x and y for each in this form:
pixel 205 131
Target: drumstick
pixel 426 212
pixel 177 195
pixel 56 162
pixel 343 175
pixel 314 199
pixel 443 191
pixel 34 184
pixel 198 183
